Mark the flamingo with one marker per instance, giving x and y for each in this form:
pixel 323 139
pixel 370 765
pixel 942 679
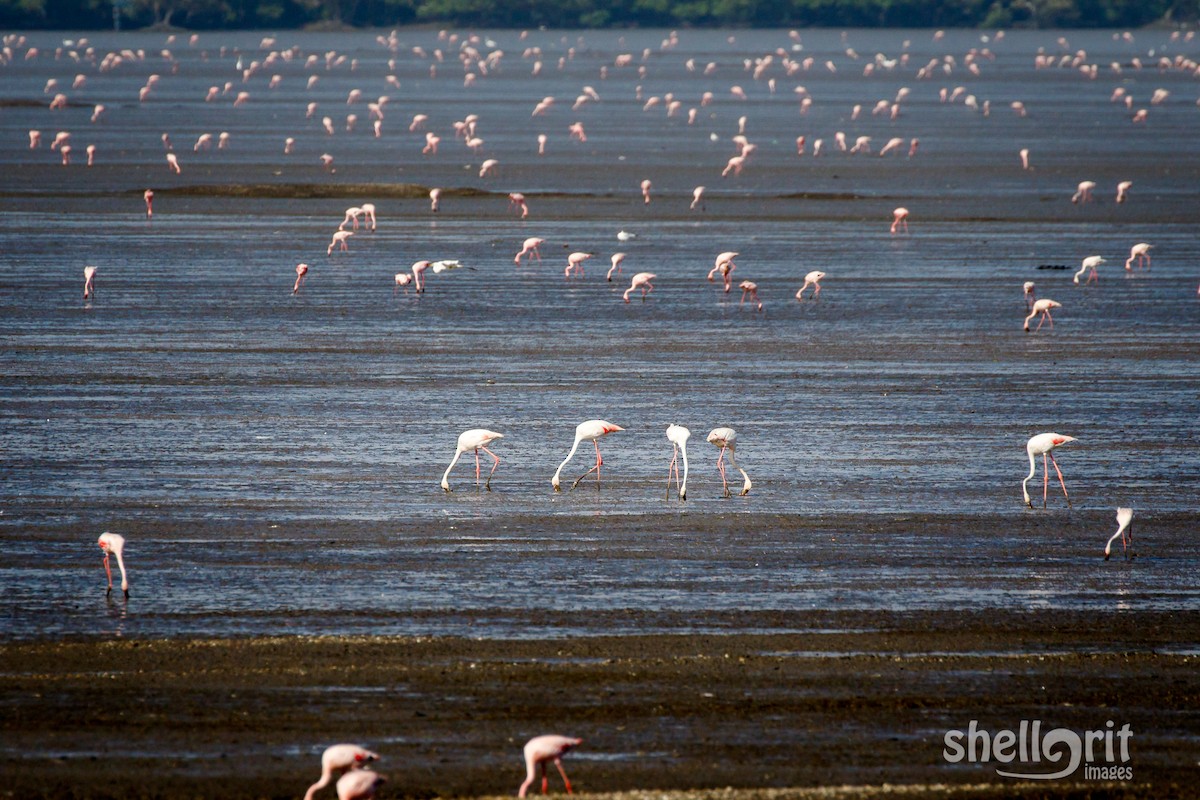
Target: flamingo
pixel 339 241
pixel 750 288
pixel 646 191
pixel 575 262
pixel 812 279
pixel 418 271
pixel 1024 154
pixel 678 436
pixel 617 258
pixel 338 757
pixel 89 282
pixel 359 784
pixel 541 749
pixel 1124 521
pixel 148 196
pixel 114 543
pixel 1029 288
pixel 642 279
pixel 352 215
pixel 1042 307
pixel 1041 445
pixel 1123 190
pixel 301 271
pixel 1083 192
pixel 434 196
pixel 530 248
pixel 900 219
pixel 1139 252
pixel 724 264
pixel 402 279
pixel 589 431
pixel 726 439
pixel 697 198
pixel 368 210
pixel 475 439
pixel 1090 263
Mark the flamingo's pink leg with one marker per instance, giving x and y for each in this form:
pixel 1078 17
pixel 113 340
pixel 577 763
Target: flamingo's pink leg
pixel 1060 479
pixel 563 772
pixel 108 572
pixel 721 468
pixel 488 485
pixel 1045 479
pixel 476 467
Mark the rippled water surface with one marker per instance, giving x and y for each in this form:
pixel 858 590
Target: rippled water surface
pixel 274 460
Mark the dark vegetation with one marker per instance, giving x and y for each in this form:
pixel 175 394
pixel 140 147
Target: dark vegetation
pixel 281 14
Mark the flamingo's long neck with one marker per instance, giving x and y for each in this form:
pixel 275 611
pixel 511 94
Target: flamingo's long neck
pixel 747 485
pixel 121 566
pixel 1032 471
pixel 570 455
pixel 446 474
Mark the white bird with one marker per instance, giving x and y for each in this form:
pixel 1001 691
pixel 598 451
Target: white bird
pixel 726 439
pixel 1090 263
pixel 443 266
pixel 1041 445
pixel 1124 521
pixel 678 436
pixel 114 543
pixel 588 431
pixel 475 440
pixel 625 236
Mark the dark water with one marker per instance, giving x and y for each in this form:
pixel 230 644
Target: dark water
pixel 274 460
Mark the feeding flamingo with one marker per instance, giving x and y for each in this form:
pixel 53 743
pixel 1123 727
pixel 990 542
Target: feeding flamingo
pixel 339 757
pixel 900 219
pixel 542 749
pixel 724 265
pixel 301 271
pixel 641 280
pixel 1041 445
pixel 726 439
pixel 812 279
pixel 89 282
pixel 475 440
pixel 1124 523
pixel 678 436
pixel 1141 253
pixel 1089 265
pixel 1029 287
pixel 1042 307
pixel 530 248
pixel 114 543
pixel 750 288
pixel 589 431
pixel 359 784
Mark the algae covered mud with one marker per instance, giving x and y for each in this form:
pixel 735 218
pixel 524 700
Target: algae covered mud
pixel 299 577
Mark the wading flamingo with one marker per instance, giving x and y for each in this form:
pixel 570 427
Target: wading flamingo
pixel 1089 266
pixel 617 258
pixel 812 279
pixel 301 271
pixel 724 265
pixel 359 784
pixel 148 196
pixel 475 440
pixel 641 280
pixel 114 543
pixel 1042 307
pixel 1124 523
pixel 678 436
pixel 900 219
pixel 575 262
pixel 89 282
pixel 542 749
pixel 1041 445
pixel 726 439
pixel 588 431
pixel 750 288
pixel 1030 289
pixel 530 248
pixel 1140 252
pixel 1123 190
pixel 339 757
pixel 339 241
pixel 1083 192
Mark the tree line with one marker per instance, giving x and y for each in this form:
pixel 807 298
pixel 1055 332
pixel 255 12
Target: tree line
pixel 284 14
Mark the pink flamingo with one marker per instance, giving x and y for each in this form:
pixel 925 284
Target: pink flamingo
pixel 1141 253
pixel 726 439
pixel 1124 521
pixel 35 140
pixel 91 154
pixel 617 258
pixel 589 431
pixel 575 262
pixel 642 280
pixel 488 167
pixel 576 132
pixel 148 196
pixel 339 241
pixel 1083 192
pixel 517 200
pixel 418 270
pixel 1041 445
pixel 530 248
pixel 403 279
pixel 435 195
pixel 1029 288
pixel 1089 265
pixel 173 163
pixel 646 191
pixel 678 436
pixel 475 440
pixel 1123 190
pixel 900 219
pixel 750 288
pixel 359 784
pixel 697 198
pixel 1042 307
pixel 89 282
pixel 301 271
pixel 114 543
pixel 542 749
pixel 724 265
pixel 368 210
pixel 352 215
pixel 812 279
pixel 339 757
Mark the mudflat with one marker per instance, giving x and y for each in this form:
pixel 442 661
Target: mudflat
pixel 856 707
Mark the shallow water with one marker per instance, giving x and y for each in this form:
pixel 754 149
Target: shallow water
pixel 274 460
